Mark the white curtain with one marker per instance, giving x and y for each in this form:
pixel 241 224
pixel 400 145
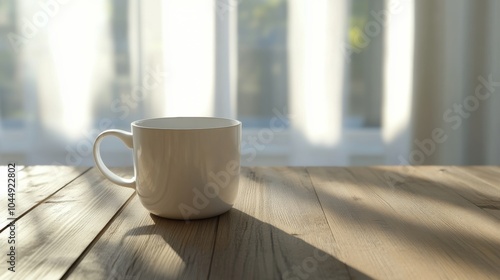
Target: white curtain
pixel 398 78
pixel 181 61
pixel 317 73
pixel 195 47
pixel 64 65
pixel 456 83
pixel 437 55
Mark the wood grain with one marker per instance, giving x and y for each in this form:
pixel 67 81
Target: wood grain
pixel 414 229
pixel 488 174
pixel 276 230
pixel 479 185
pixel 138 245
pixel 493 212
pixel 291 223
pixel 36 183
pixel 54 234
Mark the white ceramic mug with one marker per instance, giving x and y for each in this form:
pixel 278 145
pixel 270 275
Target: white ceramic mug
pixel 185 168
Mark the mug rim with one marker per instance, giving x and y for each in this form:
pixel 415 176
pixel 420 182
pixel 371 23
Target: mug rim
pixel 142 124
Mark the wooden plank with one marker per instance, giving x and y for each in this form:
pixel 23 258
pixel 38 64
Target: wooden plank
pixel 138 245
pixel 276 230
pixel 488 174
pixel 52 236
pixel 34 184
pixel 476 184
pixel 493 212
pixel 416 229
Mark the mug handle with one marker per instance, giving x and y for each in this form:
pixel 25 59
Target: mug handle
pixel 126 137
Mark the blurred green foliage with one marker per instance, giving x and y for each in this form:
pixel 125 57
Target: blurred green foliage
pixel 359 18
pixel 11 101
pixel 261 22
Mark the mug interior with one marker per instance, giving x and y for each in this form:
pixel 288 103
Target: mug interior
pixel 186 123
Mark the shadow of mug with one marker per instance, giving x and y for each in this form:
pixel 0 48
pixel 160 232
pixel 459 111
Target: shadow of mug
pixel 243 248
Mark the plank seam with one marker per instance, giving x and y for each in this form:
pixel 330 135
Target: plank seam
pixel 45 199
pixel 492 207
pixel 477 177
pixel 347 268
pixel 213 248
pixel 443 187
pixel 89 247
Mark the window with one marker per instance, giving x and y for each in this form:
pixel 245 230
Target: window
pixel 262 60
pixel 366 46
pixel 12 112
pixel 76 73
pixel 363 118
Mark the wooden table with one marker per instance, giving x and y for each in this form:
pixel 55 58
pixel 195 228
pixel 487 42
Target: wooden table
pixel 292 223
